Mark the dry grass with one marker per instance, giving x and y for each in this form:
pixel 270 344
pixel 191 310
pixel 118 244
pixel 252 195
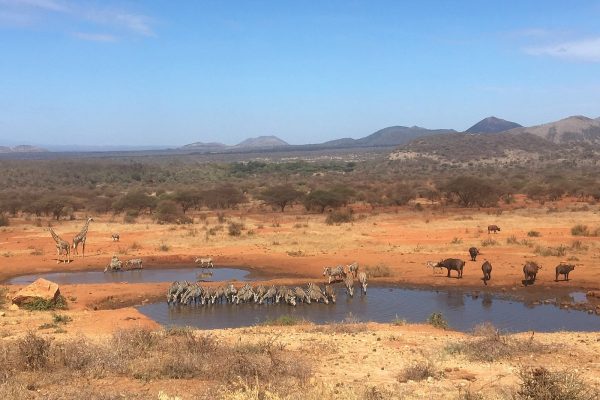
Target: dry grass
pixel 541 384
pixel 152 355
pixel 419 371
pixel 488 344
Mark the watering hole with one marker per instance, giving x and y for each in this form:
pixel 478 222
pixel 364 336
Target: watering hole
pixel 385 304
pixel 137 276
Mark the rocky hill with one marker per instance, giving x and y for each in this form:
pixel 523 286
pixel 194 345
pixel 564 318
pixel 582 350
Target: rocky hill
pixel 390 136
pixel 492 125
pixel 261 142
pixel 576 129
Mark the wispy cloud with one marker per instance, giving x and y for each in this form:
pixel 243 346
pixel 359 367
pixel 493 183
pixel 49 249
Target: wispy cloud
pixel 580 50
pixel 41 10
pixel 95 37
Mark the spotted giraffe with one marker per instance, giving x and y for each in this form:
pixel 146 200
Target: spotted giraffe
pixel 81 237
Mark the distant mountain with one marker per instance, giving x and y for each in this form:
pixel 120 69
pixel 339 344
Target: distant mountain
pixel 492 125
pixel 208 147
pixel 390 136
pixel 261 142
pixel 22 149
pixel 575 129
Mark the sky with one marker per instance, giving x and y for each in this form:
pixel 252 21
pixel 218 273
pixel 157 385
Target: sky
pixel 175 72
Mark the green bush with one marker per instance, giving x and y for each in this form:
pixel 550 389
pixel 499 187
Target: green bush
pixel 437 320
pixel 235 228
pixel 39 304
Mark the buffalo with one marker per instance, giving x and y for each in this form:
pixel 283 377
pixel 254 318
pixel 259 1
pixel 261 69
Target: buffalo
pixel 493 228
pixel 530 270
pixel 473 252
pixel 564 269
pixel 487 271
pixel 453 264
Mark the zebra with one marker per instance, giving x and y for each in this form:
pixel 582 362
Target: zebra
pixel 115 237
pixel 316 294
pixel 230 292
pixel 433 265
pixel 301 295
pixel 115 264
pixel 362 278
pixel 259 292
pixel 336 272
pixel 353 268
pixel 330 293
pixel 349 283
pixel 244 295
pixel 220 294
pixel 288 295
pixel 208 261
pixel 269 295
pixel 134 263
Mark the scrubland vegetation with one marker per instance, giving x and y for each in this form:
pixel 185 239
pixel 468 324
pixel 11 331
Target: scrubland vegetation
pixel 169 188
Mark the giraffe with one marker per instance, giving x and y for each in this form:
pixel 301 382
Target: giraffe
pixel 62 247
pixel 81 236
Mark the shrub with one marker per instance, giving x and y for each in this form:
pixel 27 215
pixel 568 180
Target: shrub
pixel 164 247
pixel 580 230
pixel 4 221
pixel 533 234
pixel 61 319
pixel 538 383
pixel 512 240
pixel 418 371
pixel 33 351
pixel 39 304
pixel 456 240
pixel 559 251
pixel 437 320
pixel 488 344
pixel 339 217
pixel 3 294
pixel 489 242
pixel 235 228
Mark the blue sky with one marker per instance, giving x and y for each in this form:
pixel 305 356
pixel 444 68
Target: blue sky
pixel 174 72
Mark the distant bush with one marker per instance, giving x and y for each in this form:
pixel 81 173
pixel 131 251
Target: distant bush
pixel 235 228
pixel 378 271
pixel 456 240
pixel 284 320
pixel 4 221
pixel 512 240
pixel 559 251
pixel 339 217
pixel 418 371
pixel 164 247
pixel 489 242
pixel 533 234
pixel 437 320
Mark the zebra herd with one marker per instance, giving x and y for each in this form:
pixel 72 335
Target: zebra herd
pixel 186 293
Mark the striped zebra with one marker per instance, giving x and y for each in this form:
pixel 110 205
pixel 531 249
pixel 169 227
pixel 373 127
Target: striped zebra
pixel 269 295
pixel 349 283
pixel 337 273
pixel 208 261
pixel 330 293
pixel 353 268
pixel 362 278
pixel 315 294
pixel 259 292
pixel 134 263
pixel 301 295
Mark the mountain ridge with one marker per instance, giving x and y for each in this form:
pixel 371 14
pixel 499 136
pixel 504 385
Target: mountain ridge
pixel 492 125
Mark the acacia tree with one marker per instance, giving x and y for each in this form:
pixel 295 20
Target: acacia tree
pixel 470 191
pixel 321 199
pixel 280 196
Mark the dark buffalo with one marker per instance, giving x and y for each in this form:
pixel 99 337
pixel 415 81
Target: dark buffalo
pixel 493 228
pixel 487 272
pixel 453 264
pixel 564 269
pixel 530 271
pixel 473 251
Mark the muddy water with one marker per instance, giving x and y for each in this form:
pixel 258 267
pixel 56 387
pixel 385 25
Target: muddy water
pixel 138 276
pixel 385 304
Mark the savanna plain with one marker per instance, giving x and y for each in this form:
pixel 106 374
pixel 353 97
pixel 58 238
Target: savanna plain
pixel 284 220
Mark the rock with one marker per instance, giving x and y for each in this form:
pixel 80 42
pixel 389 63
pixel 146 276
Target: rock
pixel 40 289
pixel 2 314
pixel 13 307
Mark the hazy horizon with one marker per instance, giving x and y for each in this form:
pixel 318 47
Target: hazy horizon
pixel 162 74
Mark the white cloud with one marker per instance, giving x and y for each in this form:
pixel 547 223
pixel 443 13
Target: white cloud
pixel 582 50
pixel 39 10
pixel 95 37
